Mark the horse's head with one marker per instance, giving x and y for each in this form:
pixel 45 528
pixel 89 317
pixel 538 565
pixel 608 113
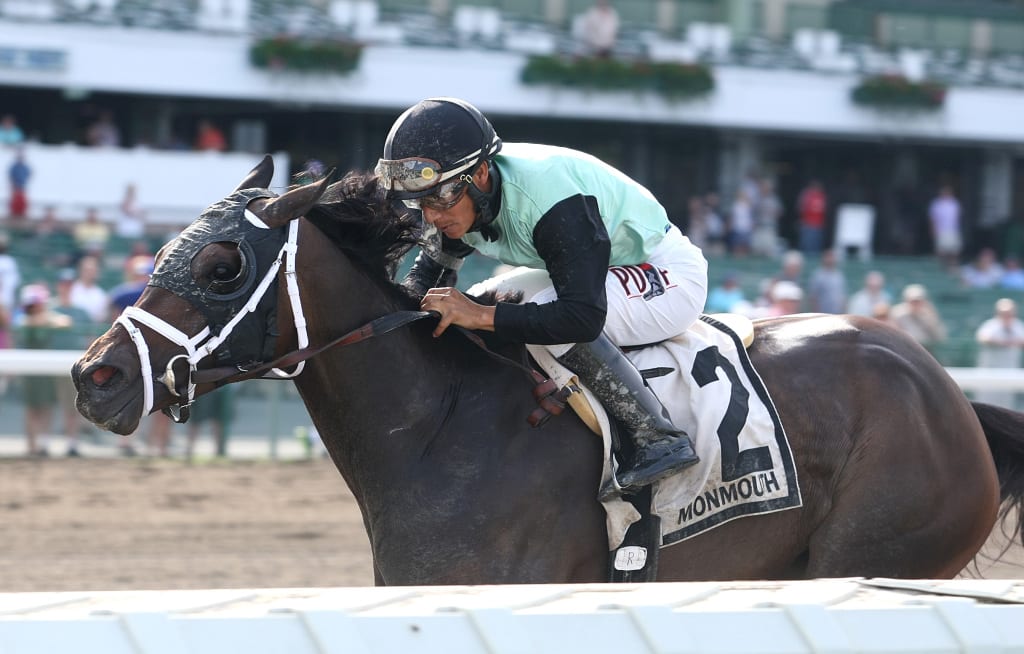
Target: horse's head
pixel 212 300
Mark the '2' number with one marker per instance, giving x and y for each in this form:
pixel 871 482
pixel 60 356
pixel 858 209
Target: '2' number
pixel 735 462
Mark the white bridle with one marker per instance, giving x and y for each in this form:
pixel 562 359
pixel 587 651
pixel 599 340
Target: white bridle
pixel 203 344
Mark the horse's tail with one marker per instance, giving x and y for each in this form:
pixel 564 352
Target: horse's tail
pixel 1004 430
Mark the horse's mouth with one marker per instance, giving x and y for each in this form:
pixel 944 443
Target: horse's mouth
pixel 107 398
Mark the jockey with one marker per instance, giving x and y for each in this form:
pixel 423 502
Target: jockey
pixel 621 273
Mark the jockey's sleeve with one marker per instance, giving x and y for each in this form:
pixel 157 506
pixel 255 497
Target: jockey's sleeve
pixel 434 267
pixel 572 240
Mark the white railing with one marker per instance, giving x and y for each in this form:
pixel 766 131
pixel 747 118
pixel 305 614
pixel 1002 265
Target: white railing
pixel 59 362
pixel 840 615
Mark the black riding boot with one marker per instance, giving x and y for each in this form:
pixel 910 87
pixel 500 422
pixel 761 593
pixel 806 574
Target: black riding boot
pixel 660 447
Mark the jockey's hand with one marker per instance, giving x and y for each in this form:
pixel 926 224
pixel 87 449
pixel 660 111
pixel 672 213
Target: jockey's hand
pixel 457 309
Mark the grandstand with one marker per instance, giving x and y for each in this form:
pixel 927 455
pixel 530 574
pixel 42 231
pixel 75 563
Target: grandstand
pixel 783 73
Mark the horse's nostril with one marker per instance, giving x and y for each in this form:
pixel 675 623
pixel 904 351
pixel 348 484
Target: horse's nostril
pixel 102 375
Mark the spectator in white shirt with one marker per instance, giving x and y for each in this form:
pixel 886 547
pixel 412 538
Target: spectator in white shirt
pixel 87 294
pixel 944 216
pixel 865 301
pixel 599 28
pixel 1001 342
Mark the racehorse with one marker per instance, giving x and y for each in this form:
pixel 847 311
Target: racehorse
pixel 901 475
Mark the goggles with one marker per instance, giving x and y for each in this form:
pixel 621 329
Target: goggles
pixel 446 196
pixel 412 175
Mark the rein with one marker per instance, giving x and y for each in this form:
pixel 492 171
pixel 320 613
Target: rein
pixel 203 344
pixel 377 327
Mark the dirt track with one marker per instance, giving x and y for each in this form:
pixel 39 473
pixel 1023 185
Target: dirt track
pixel 123 524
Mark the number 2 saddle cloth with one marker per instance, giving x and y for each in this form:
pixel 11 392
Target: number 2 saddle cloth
pixel 713 392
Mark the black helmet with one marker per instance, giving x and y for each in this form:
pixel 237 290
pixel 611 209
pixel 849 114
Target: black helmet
pixel 432 142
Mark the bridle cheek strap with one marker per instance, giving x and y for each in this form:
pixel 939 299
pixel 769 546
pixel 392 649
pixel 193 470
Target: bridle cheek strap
pixel 202 345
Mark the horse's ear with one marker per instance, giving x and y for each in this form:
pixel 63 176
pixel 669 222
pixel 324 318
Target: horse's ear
pixel 260 176
pixel 294 203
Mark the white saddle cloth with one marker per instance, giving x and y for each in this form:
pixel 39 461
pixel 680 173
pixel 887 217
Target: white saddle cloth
pixel 714 394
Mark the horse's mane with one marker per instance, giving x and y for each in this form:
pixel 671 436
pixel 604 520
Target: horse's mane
pixel 354 214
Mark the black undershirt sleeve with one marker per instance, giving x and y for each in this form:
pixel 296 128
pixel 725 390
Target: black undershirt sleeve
pixel 572 240
pixel 429 270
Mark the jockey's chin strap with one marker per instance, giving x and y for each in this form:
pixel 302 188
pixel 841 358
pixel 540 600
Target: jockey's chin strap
pixel 204 343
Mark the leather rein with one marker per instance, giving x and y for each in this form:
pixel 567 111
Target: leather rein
pixel 549 397
pixel 201 345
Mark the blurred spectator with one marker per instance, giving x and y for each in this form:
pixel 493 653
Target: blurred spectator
pixel 812 206
pixel 18 175
pixel 827 286
pixel 139 248
pixel 944 218
pixel 741 224
pixel 751 186
pixel 767 212
pixel 86 293
pixel 599 28
pixel 1013 275
pixel 984 271
pixel 51 237
pixel 218 409
pixel 10 133
pixel 77 337
pixel 1001 341
pixel 10 280
pixel 49 223
pixel 714 224
pixel 209 137
pixel 865 301
pixel 136 277
pixel 786 299
pixel 10 277
pixel 91 235
pixel 696 224
pixel 36 329
pixel 104 132
pixel 726 296
pixel 792 267
pixel 131 220
pixel 883 313
pixel 917 316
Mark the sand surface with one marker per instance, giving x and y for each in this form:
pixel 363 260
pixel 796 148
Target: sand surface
pixel 113 524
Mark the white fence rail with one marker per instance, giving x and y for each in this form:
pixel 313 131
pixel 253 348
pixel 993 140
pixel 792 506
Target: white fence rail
pixel 59 362
pixel 842 615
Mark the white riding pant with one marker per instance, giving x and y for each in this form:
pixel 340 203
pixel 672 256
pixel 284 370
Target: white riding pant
pixel 647 303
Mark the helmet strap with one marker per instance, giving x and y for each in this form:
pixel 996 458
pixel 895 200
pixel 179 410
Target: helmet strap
pixel 487 204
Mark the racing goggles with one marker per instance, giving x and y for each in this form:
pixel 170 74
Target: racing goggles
pixel 446 197
pixel 415 175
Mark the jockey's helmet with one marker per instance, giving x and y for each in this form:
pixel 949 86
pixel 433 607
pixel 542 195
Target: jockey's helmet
pixel 432 146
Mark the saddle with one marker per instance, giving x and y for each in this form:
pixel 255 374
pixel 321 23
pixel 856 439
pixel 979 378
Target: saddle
pixel 563 387
pixel 708 383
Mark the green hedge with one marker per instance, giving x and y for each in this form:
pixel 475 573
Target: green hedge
pixel 670 79
pixel 897 92
pixel 281 53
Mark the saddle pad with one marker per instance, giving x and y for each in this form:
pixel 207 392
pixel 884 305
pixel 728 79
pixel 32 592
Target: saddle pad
pixel 746 465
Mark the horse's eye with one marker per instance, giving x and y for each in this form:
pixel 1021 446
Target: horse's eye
pixel 222 272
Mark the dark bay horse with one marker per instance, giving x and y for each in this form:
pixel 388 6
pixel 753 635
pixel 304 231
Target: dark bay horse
pixel 901 476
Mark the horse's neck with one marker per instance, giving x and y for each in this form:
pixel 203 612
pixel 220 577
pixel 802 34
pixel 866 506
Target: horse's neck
pixel 381 404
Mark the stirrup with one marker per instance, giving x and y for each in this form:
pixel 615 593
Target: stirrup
pixel 677 454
